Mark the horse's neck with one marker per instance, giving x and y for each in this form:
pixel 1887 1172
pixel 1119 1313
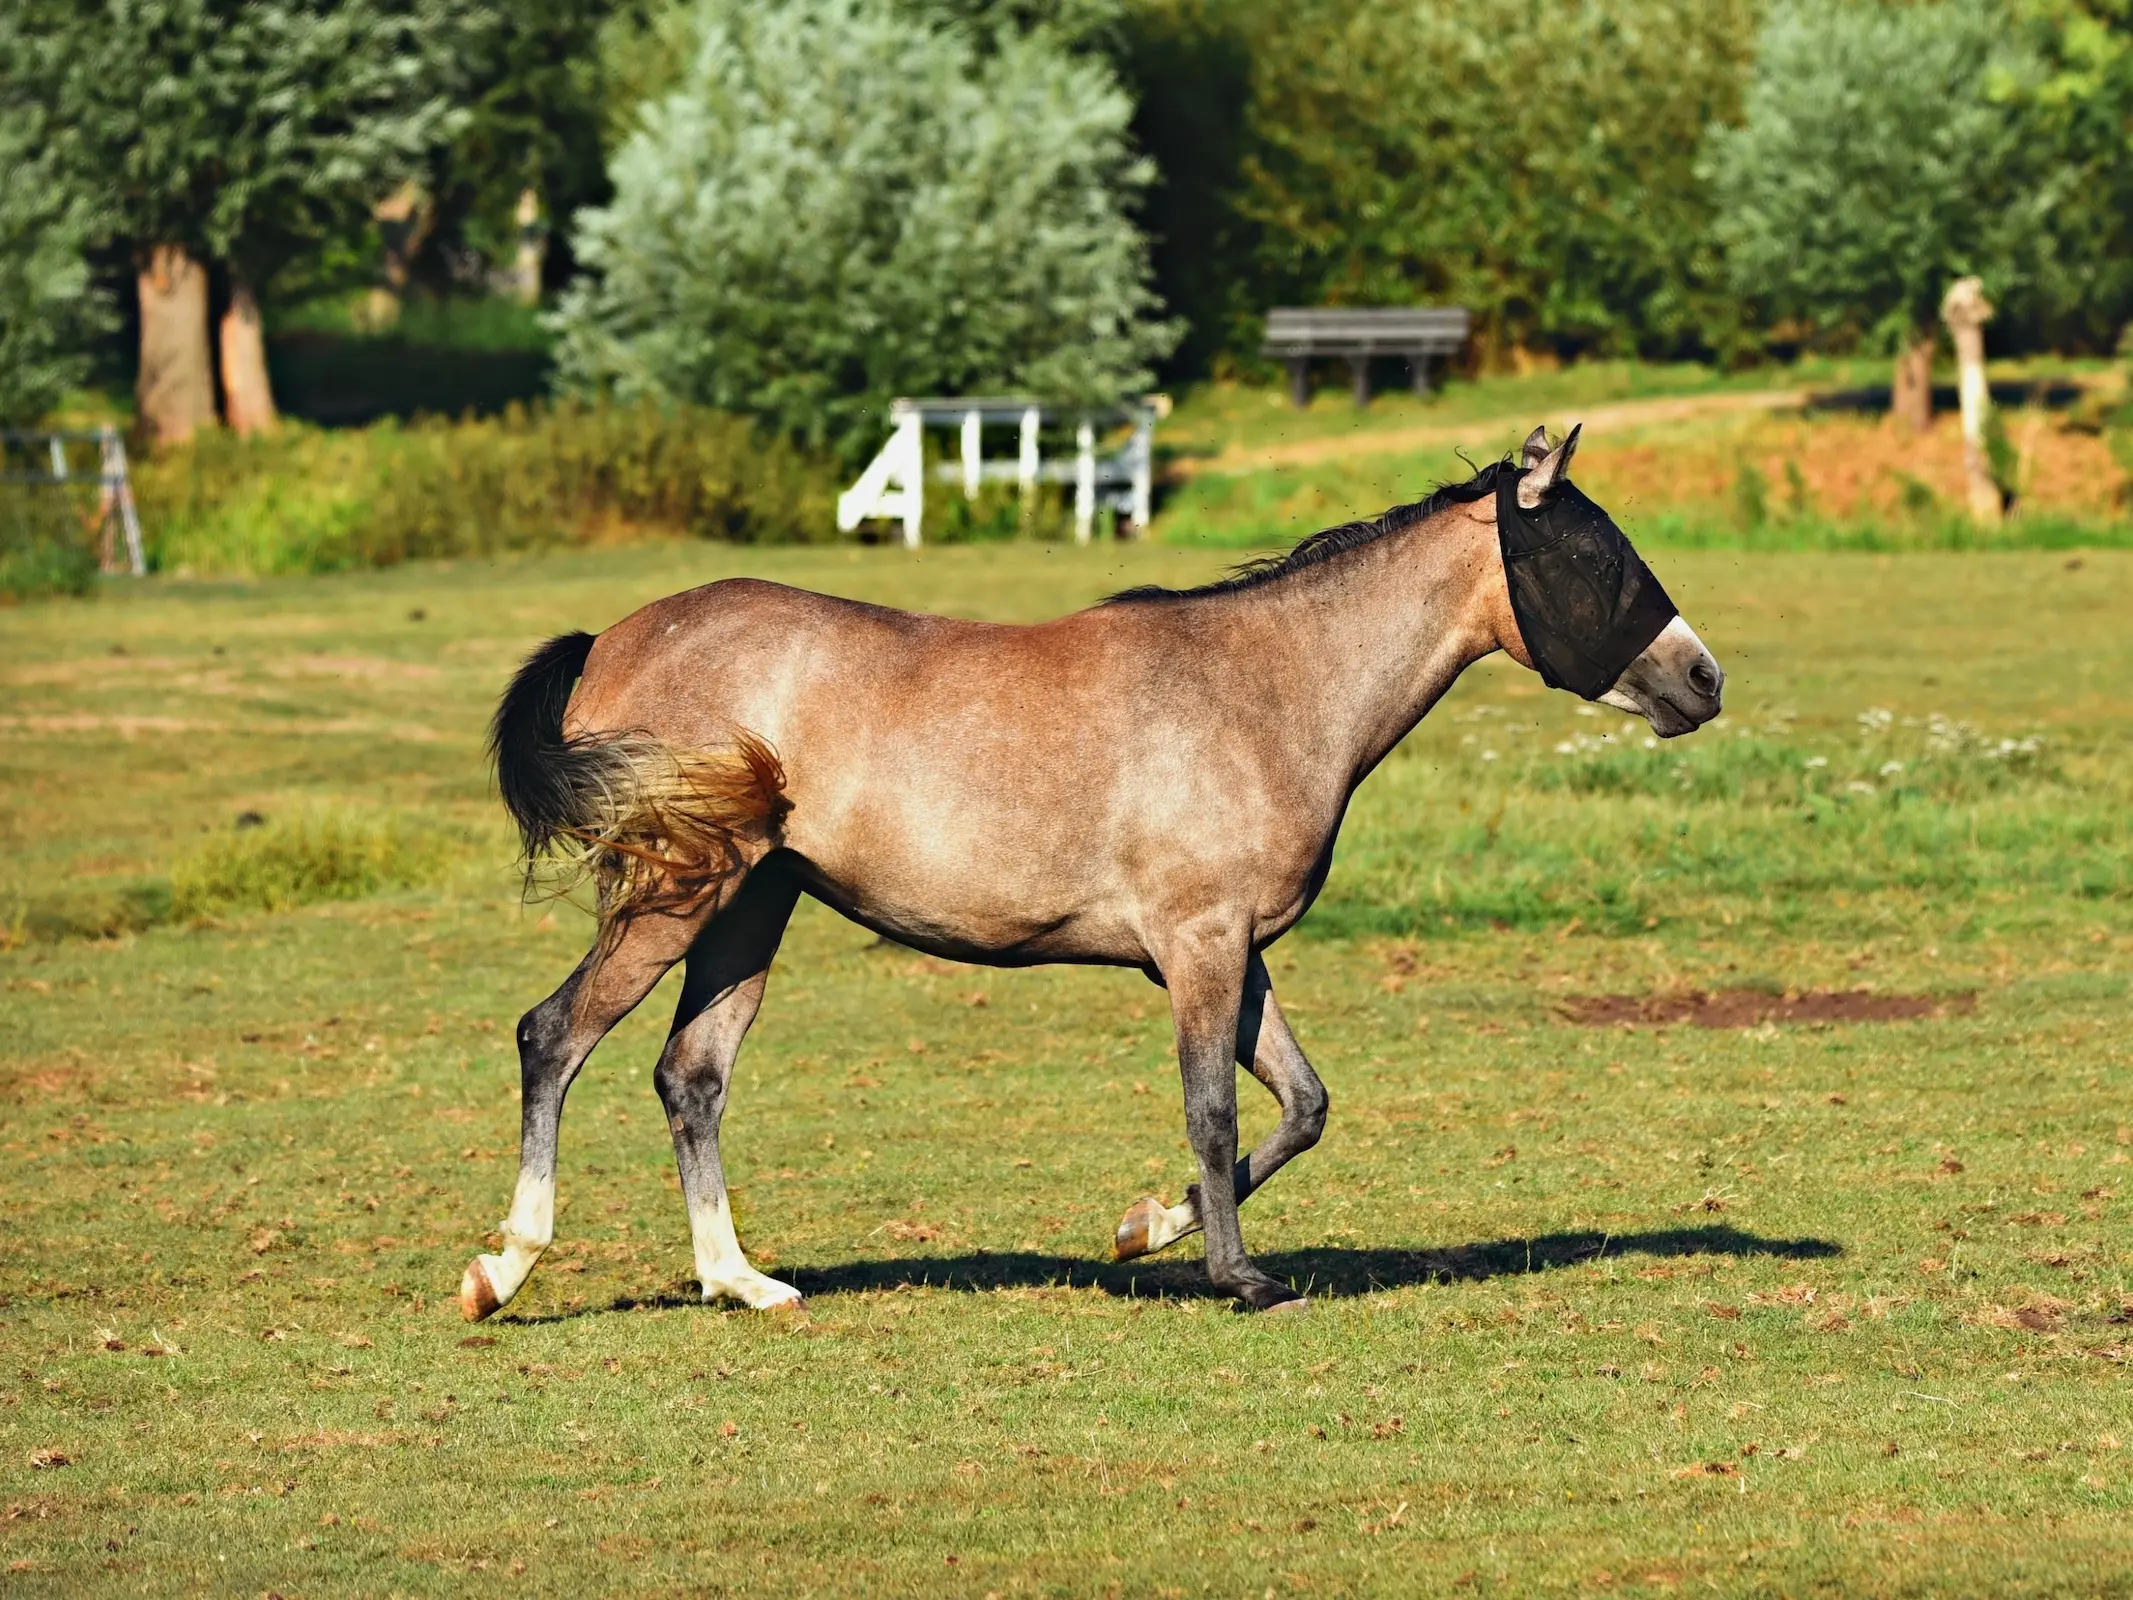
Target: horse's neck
pixel 1376 636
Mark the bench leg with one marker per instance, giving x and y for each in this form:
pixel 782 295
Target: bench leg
pixel 1418 364
pixel 1299 381
pixel 1359 378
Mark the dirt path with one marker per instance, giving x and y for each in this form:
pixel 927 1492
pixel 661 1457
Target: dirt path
pixel 1400 441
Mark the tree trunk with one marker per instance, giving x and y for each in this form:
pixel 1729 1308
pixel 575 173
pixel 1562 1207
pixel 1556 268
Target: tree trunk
pixel 247 395
pixel 176 391
pixel 532 255
pixel 1911 396
pixel 403 218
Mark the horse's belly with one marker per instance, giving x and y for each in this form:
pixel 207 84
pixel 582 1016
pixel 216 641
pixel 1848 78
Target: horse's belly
pixel 975 899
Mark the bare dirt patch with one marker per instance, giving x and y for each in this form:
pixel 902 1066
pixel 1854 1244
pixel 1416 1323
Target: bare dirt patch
pixel 1749 1008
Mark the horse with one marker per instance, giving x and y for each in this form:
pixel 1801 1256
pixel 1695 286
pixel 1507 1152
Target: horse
pixel 1156 782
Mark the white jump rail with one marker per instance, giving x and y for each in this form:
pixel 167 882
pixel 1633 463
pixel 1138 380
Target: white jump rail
pixel 893 485
pixel 116 516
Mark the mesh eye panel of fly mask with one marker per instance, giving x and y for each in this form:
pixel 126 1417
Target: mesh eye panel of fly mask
pixel 1586 604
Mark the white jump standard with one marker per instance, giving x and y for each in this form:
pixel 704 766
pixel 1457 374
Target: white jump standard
pixel 893 485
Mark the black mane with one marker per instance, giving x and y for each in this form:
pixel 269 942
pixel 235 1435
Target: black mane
pixel 1323 546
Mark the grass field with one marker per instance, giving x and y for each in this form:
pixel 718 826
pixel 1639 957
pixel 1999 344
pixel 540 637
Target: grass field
pixel 1806 1307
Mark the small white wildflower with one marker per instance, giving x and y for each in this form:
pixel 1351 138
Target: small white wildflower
pixel 1588 711
pixel 1856 787
pixel 1889 769
pixel 1651 742
pixel 1488 755
pixel 1566 748
pixel 1817 761
pixel 1875 720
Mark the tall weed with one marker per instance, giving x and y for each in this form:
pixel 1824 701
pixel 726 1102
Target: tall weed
pixel 304 500
pixel 46 547
pixel 327 853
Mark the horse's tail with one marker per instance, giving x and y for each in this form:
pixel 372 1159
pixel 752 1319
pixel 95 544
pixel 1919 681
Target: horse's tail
pixel 652 826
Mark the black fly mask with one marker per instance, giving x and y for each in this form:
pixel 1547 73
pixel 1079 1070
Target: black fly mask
pixel 1586 604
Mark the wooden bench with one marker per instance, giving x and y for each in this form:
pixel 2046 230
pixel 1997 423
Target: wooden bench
pixel 1294 335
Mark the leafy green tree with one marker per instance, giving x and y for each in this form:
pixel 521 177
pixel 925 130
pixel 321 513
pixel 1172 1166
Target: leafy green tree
pixel 236 133
pixel 2081 108
pixel 839 202
pixel 1881 155
pixel 1069 22
pixel 533 95
pixel 49 311
pixel 1532 163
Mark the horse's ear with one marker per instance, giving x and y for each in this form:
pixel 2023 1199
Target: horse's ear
pixel 1552 469
pixel 1535 450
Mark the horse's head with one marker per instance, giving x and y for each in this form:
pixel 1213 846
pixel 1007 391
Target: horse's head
pixel 1585 611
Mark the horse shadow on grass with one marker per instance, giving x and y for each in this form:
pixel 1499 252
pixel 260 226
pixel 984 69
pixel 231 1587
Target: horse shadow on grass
pixel 1331 1272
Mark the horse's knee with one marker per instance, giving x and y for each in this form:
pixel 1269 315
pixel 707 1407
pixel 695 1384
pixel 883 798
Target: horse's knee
pixel 1308 1113
pixel 543 1034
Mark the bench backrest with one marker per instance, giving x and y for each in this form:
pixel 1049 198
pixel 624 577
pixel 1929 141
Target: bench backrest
pixel 1334 330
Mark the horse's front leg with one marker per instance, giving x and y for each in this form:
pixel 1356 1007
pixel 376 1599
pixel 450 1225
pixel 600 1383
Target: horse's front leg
pixel 1206 972
pixel 728 969
pixel 1269 1051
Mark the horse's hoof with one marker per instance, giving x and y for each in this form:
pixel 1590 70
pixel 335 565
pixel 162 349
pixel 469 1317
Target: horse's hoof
pixel 1133 1236
pixel 1287 1308
pixel 477 1296
pixel 795 1307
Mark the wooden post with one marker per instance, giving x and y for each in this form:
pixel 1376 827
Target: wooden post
pixel 1026 458
pixel 1084 482
pixel 1966 311
pixel 1359 379
pixel 1299 381
pixel 1418 366
pixel 973 453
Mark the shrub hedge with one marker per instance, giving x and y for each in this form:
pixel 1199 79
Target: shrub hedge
pixel 306 500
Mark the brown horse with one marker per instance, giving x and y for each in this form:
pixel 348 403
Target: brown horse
pixel 1153 783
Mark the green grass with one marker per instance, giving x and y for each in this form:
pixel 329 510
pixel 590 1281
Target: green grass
pixel 316 853
pixel 454 322
pixel 1802 1309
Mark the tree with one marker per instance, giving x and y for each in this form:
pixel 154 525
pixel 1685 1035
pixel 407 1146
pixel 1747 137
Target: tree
pixel 1531 163
pixel 839 202
pixel 49 310
pixel 232 134
pixel 1880 157
pixel 532 93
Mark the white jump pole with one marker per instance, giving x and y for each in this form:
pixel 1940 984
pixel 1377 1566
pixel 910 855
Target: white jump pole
pixel 912 441
pixel 973 453
pixel 1084 482
pixel 1143 474
pixel 1026 461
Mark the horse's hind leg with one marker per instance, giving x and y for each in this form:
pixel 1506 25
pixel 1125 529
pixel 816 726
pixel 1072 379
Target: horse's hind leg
pixel 1269 1051
pixel 554 1038
pixel 729 965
